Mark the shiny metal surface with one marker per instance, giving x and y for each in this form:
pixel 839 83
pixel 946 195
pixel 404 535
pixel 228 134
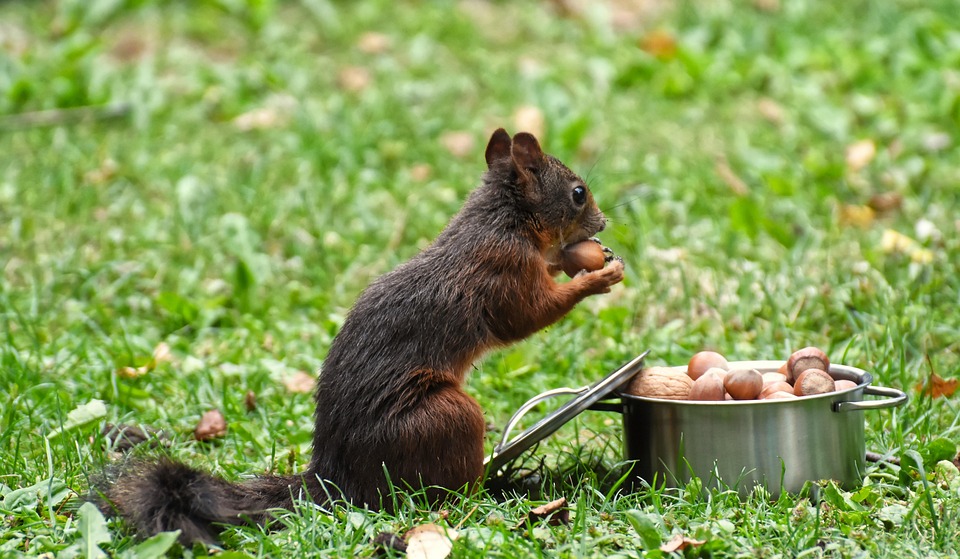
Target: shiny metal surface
pixel 584 398
pixel 778 443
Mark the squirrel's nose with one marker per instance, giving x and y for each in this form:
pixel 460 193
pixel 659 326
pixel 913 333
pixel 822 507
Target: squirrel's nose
pixel 603 223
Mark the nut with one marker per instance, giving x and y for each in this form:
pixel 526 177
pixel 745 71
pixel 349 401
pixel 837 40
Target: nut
pixel 709 387
pixel 703 360
pixel 780 395
pixel 813 381
pixel 778 386
pixel 770 378
pixel 585 255
pixel 743 384
pixel 803 359
pixel 661 382
pixel 844 384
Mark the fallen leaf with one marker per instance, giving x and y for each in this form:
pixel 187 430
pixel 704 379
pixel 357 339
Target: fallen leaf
pixel 529 119
pixel 261 118
pixel 860 154
pixel 354 78
pixel 429 541
pixel 389 540
pixel 123 437
pixel 936 386
pixel 421 172
pixel 300 383
pixel 133 372
pixel 856 216
pixel 659 43
pixel 729 178
pixel 770 110
pixel 886 202
pixel 679 543
pixel 161 353
pixel 372 42
pixel 250 400
pixel 81 415
pixel 896 242
pixel 555 512
pixel 211 425
pixel 769 6
pixel 458 143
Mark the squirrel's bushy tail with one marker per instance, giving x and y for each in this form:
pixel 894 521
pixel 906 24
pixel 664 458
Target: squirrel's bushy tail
pixel 164 495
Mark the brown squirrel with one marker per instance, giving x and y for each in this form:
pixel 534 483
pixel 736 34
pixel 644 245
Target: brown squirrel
pixel 390 404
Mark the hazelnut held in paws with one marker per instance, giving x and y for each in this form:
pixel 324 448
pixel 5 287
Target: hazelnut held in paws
pixel 390 404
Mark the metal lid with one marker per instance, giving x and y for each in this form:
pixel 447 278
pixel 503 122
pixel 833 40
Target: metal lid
pixel 584 397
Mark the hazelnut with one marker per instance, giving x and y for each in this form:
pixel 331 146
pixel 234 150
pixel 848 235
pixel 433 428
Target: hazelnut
pixel 780 395
pixel 661 382
pixel 703 360
pixel 584 255
pixel 844 384
pixel 803 359
pixel 770 378
pixel 779 386
pixel 813 381
pixel 709 387
pixel 743 384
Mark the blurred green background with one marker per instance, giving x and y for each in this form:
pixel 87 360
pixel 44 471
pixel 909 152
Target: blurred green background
pixel 192 194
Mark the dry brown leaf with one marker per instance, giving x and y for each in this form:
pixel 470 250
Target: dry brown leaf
pixel 389 540
pixel 770 110
pixel 729 178
pixel 860 154
pixel 300 382
pixel 458 143
pixel 886 202
pixel 679 543
pixel 372 42
pixel 133 372
pixel 767 5
pixel 161 353
pixel 429 541
pixel 421 172
pixel 354 78
pixel 529 119
pixel 211 425
pixel 659 43
pixel 937 387
pixel 261 118
pixel 555 511
pixel 856 216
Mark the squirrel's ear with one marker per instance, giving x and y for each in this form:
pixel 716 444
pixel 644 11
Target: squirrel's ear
pixel 499 146
pixel 526 152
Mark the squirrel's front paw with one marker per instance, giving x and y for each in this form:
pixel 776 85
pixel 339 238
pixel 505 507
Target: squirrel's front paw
pixel 601 280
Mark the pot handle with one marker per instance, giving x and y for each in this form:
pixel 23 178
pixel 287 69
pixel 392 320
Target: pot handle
pixel 529 404
pixel 893 399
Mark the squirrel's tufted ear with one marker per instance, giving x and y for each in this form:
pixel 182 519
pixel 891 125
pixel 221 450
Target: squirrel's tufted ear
pixel 499 146
pixel 526 152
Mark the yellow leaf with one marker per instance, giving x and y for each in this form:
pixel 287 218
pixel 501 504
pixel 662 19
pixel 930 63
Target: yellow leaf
pixel 429 541
pixel 860 154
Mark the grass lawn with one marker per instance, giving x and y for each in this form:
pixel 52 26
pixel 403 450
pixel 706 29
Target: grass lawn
pixel 776 174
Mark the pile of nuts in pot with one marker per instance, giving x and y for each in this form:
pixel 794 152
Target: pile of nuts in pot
pixel 710 378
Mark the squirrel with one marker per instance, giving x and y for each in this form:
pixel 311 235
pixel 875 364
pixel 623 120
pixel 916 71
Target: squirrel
pixel 390 404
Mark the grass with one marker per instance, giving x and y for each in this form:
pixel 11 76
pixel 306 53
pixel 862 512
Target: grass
pixel 713 134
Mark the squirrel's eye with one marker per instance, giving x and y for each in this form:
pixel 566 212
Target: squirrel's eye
pixel 579 195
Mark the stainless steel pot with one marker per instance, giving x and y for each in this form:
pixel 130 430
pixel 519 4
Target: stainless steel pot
pixel 780 444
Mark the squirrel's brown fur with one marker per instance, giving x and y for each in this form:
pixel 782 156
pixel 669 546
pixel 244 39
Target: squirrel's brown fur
pixel 389 400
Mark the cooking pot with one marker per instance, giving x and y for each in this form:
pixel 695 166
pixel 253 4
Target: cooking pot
pixel 780 444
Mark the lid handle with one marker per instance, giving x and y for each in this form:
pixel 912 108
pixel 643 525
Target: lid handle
pixel 530 404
